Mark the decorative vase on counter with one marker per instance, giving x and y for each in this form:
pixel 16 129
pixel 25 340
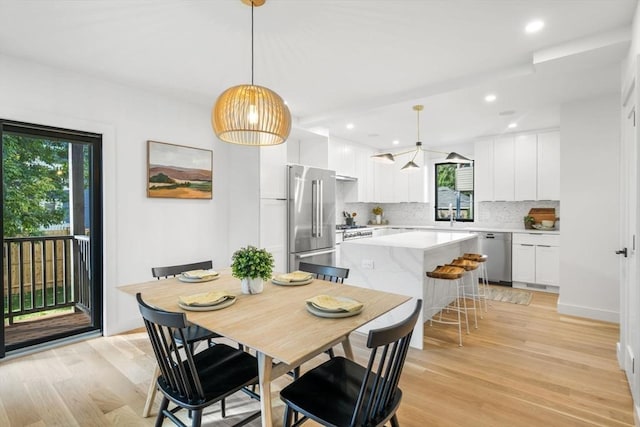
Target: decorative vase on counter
pixel 252 286
pixel 378 219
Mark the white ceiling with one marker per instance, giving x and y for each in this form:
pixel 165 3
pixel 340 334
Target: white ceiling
pixel 338 61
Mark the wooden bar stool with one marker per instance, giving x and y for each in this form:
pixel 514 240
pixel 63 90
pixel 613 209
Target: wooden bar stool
pixel 451 276
pixel 484 288
pixel 470 267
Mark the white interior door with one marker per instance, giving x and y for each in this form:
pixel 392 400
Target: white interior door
pixel 629 293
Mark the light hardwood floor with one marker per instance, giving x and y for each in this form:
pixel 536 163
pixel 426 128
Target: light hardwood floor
pixel 524 366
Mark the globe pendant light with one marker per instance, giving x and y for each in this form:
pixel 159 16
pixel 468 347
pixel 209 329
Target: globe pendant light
pixel 251 114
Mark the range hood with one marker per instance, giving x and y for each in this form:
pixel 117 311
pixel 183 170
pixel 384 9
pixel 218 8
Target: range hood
pixel 345 178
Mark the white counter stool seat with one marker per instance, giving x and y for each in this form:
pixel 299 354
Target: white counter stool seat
pixel 470 268
pixel 483 286
pixel 451 276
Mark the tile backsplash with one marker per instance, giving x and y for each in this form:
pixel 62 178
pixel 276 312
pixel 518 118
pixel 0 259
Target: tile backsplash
pixel 488 214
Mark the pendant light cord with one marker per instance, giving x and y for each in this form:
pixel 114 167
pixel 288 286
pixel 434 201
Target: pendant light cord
pixel 251 43
pixel 418 147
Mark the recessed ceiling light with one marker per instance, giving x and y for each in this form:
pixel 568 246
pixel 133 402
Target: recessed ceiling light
pixel 395 142
pixel 534 26
pixel 512 125
pixel 350 126
pixel 490 98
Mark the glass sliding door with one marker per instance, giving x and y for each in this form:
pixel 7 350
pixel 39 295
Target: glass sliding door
pixel 52 234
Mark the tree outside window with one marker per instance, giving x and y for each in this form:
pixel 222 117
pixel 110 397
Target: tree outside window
pixel 454 191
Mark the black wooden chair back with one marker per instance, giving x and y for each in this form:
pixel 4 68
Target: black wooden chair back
pixel 325 272
pixel 379 395
pixel 177 371
pixel 194 381
pixel 174 270
pixel 361 396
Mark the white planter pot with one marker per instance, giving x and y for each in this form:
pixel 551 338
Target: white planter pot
pixel 252 286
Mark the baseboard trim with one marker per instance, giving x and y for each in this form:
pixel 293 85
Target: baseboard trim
pixel 589 312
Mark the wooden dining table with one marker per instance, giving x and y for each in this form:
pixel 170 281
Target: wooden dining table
pixel 274 323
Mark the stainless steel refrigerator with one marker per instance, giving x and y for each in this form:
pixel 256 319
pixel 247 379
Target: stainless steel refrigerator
pixel 311 216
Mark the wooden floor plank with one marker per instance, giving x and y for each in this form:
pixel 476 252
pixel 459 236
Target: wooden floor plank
pixel 523 366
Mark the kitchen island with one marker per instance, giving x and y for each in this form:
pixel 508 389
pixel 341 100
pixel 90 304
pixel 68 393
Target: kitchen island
pixel 398 263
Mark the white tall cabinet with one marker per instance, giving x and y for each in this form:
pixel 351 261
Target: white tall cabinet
pixel 273 203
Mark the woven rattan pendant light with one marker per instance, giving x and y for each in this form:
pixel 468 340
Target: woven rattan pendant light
pixel 250 114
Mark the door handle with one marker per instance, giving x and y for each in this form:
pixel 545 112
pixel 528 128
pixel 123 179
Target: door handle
pixel 622 252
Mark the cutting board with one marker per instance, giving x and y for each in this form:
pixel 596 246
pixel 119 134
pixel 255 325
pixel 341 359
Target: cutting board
pixel 543 214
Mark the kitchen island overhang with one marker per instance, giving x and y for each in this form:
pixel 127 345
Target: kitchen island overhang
pixel 398 263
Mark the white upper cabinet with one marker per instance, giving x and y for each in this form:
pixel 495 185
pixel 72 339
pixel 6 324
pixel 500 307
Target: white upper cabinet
pixel 525 170
pixel 393 185
pixel 520 167
pixel 549 166
pixel 383 183
pixel 365 170
pixel 273 173
pixel 314 151
pixel 503 169
pixel 342 157
pixel 418 184
pixel 401 184
pixel 483 165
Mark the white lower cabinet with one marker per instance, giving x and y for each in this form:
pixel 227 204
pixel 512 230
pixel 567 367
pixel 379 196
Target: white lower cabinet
pixel 536 261
pixel 523 263
pixel 548 265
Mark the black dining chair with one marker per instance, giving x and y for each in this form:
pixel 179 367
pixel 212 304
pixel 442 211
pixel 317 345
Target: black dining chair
pixel 194 381
pixel 193 334
pixel 360 396
pixel 322 272
pixel 325 272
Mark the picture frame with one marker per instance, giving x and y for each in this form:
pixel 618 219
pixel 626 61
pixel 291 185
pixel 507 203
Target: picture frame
pixel 179 171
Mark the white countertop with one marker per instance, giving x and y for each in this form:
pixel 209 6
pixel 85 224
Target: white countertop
pixel 464 228
pixel 415 239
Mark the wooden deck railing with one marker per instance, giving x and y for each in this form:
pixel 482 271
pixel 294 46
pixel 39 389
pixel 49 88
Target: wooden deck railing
pixel 44 273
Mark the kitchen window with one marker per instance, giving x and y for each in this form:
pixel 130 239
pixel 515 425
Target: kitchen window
pixel 454 192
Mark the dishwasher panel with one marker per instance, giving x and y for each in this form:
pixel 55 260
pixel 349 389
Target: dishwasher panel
pixel 497 246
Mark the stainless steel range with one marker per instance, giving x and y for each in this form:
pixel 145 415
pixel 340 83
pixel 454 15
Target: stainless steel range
pixel 357 233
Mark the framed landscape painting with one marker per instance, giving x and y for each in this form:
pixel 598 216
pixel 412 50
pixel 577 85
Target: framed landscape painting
pixel 176 171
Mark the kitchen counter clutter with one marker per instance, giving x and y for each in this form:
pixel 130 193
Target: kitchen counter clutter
pixel 398 263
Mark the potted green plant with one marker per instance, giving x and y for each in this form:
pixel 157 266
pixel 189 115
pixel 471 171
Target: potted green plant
pixel 252 266
pixel 528 222
pixel 377 211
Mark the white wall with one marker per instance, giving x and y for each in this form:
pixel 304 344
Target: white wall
pixel 139 232
pixel 589 155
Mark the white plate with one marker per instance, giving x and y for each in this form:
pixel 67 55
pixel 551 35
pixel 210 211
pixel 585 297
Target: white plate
pixel 294 283
pixel 198 279
pixel 224 304
pixel 332 315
